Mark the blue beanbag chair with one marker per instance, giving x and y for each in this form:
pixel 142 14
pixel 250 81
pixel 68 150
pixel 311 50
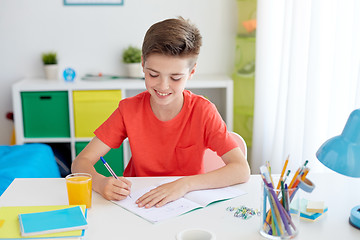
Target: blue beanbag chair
pixel 35 160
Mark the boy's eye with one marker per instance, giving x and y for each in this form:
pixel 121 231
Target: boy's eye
pixel 176 78
pixel 153 75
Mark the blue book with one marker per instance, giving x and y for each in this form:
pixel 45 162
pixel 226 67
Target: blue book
pixel 67 219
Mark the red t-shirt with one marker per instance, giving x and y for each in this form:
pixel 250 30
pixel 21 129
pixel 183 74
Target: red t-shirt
pixel 166 148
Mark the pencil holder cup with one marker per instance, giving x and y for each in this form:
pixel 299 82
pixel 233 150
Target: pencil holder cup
pixel 279 212
pixel 79 189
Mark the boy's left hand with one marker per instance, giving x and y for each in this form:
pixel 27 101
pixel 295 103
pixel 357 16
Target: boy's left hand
pixel 163 194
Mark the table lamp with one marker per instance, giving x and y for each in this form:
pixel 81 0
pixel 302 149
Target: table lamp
pixel 342 154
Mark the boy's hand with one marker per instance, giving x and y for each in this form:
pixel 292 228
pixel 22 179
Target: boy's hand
pixel 114 189
pixel 163 194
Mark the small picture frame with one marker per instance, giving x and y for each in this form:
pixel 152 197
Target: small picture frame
pixel 93 2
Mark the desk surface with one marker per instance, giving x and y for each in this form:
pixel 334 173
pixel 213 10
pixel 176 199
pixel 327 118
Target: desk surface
pixel 109 221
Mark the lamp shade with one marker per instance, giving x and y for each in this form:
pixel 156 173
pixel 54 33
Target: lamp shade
pixel 342 153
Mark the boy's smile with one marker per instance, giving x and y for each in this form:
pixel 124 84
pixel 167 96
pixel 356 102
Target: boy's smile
pixel 165 80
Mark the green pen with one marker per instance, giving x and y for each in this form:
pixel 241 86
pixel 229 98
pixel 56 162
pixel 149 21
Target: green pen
pixel 283 194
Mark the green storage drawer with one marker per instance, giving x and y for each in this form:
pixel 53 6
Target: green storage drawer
pixel 115 158
pixel 45 114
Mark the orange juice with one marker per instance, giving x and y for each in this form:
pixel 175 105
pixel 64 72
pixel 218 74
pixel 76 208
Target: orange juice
pixel 79 189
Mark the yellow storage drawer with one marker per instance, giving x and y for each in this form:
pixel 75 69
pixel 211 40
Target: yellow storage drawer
pixel 92 108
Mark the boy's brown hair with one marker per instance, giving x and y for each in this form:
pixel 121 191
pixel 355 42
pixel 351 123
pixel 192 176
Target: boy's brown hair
pixel 173 37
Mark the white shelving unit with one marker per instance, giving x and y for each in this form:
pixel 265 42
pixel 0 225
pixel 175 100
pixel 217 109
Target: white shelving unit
pixel 218 89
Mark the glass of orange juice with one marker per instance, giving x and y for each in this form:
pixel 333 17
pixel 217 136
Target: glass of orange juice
pixel 79 189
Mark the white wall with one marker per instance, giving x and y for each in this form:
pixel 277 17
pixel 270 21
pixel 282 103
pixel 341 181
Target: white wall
pixel 90 39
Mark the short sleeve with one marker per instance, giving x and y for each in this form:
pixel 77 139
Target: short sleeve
pixel 217 137
pixel 112 132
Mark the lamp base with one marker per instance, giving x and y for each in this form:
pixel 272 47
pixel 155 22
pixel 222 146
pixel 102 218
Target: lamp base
pixel 354 219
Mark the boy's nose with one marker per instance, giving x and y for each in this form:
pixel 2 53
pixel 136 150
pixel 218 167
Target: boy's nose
pixel 164 83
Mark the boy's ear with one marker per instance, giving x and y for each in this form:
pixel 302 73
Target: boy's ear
pixel 192 71
pixel 142 61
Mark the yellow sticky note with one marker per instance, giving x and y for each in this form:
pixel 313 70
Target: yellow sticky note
pixel 315 206
pixel 1 222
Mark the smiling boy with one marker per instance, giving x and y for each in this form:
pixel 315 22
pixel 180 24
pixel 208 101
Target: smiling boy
pixel 168 127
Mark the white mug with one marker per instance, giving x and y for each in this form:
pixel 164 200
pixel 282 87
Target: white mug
pixel 195 234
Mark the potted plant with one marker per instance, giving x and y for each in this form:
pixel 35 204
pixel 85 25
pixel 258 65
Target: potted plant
pixel 49 60
pixel 132 59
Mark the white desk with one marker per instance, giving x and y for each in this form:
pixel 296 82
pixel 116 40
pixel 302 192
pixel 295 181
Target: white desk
pixel 109 221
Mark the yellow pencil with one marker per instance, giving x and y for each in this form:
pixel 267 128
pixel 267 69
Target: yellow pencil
pixel 294 178
pixel 283 172
pixel 306 171
pixel 297 173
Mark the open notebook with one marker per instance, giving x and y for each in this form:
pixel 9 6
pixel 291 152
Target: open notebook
pixel 191 201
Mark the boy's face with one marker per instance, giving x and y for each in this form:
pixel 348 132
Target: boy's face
pixel 165 78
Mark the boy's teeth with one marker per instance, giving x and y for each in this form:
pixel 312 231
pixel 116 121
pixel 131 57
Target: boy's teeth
pixel 163 94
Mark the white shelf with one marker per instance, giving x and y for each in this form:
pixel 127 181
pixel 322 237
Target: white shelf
pixel 217 88
pixel 47 140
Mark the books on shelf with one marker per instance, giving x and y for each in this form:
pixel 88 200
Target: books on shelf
pixel 11 221
pixel 191 201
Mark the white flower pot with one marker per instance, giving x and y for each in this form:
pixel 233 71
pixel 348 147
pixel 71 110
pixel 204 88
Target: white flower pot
pixel 51 71
pixel 134 70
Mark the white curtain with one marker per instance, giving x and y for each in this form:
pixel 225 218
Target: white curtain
pixel 307 78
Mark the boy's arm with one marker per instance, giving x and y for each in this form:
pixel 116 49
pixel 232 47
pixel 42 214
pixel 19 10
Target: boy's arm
pixel 109 187
pixel 236 171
